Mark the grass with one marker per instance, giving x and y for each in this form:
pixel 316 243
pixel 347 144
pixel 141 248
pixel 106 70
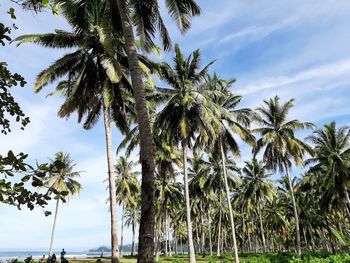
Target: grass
pixel 245 258
pixel 177 258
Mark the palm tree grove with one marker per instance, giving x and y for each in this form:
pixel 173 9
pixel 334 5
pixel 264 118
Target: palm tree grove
pixel 208 131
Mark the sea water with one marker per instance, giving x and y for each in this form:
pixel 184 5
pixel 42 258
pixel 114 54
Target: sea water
pixel 21 255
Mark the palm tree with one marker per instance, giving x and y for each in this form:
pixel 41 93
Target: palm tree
pixel 233 121
pixel 186 114
pixel 281 145
pixel 146 16
pixel 257 187
pixel 96 79
pixel 62 179
pixel 169 196
pixel 332 161
pixel 127 187
pixel 168 191
pixel 132 217
pixel 214 181
pixel 202 197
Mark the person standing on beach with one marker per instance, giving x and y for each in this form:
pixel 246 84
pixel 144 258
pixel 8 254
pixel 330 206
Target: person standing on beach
pixel 63 252
pixel 53 258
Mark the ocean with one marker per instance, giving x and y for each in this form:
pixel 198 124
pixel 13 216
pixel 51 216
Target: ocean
pixel 38 254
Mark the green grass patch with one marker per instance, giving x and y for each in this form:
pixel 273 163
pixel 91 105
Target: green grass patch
pixel 245 258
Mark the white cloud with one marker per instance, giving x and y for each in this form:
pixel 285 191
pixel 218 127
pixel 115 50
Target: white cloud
pixel 255 32
pixel 325 71
pixel 82 223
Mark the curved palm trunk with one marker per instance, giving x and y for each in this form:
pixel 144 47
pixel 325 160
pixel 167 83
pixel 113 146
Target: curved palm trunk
pixel 192 257
pixel 146 233
pixel 347 201
pixel 297 228
pixel 122 234
pixel 233 230
pixel 111 186
pixel 53 227
pixel 262 233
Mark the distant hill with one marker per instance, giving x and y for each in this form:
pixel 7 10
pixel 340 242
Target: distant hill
pixel 100 249
pixel 126 248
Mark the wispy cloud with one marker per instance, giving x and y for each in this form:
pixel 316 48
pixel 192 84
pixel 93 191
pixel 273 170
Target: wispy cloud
pixel 254 32
pixel 324 71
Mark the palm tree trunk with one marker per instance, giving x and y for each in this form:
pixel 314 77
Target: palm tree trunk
pixel 209 226
pixel 158 239
pixel 295 210
pixel 249 242
pixel 219 228
pixel 175 240
pixel 198 241
pixel 169 235
pixel 329 233
pixel 192 256
pixel 111 186
pixel 312 242
pixel 347 199
pixel 182 247
pixel 248 234
pixel 233 231
pixel 305 238
pixel 262 229
pixel 133 235
pixel 146 233
pixel 202 230
pixel 244 243
pixel 222 241
pixel 122 234
pixel 165 234
pixel 54 226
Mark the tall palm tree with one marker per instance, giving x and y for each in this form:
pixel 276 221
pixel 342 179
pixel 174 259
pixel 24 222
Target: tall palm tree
pixel 96 78
pixel 257 187
pixel 62 179
pixel 146 16
pixel 280 143
pixel 186 114
pixel 332 161
pixel 233 122
pixel 127 187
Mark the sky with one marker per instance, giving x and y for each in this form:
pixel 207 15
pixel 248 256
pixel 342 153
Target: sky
pixel 294 49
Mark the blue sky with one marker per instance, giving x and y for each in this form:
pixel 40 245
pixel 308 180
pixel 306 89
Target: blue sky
pixel 296 49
